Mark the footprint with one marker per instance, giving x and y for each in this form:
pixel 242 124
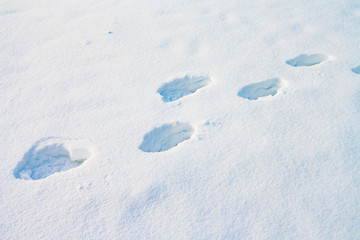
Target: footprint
pixel 183 86
pixel 52 155
pixel 261 89
pixel 166 137
pixel 356 69
pixel 307 60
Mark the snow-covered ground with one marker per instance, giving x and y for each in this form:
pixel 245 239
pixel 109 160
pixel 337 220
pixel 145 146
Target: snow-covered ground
pixel 194 119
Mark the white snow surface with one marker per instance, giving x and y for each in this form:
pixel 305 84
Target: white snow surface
pixel 280 167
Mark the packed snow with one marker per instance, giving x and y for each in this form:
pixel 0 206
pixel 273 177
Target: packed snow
pixel 180 119
pixel 356 69
pixel 307 60
pixel 183 86
pixel 51 155
pixel 265 88
pixel 166 137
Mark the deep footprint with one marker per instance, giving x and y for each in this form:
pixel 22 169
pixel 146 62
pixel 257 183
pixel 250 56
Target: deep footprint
pixel 183 86
pixel 52 155
pixel 166 137
pixel 307 60
pixel 261 89
pixel 356 70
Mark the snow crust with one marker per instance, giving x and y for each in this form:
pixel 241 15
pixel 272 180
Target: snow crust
pixel 284 166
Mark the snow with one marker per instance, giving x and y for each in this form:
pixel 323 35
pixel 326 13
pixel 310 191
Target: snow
pixel 166 137
pixel 52 155
pixel 183 86
pixel 307 60
pixel 80 81
pixel 356 69
pixel 265 88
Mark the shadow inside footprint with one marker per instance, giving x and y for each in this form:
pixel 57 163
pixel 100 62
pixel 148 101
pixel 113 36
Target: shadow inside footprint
pixel 356 70
pixel 52 155
pixel 261 89
pixel 183 86
pixel 307 60
pixel 166 137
